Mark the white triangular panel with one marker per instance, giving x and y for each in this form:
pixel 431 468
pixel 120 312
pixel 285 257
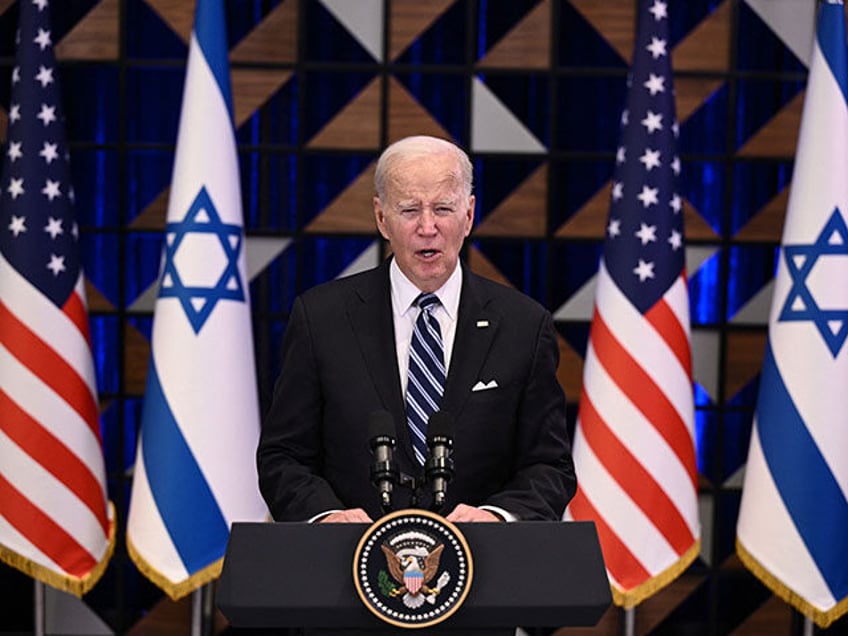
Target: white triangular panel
pixel 363 19
pixel 756 311
pixel 261 250
pixel 581 304
pixel 697 255
pixel 494 128
pixel 369 259
pixel 793 21
pixel 67 614
pixel 705 348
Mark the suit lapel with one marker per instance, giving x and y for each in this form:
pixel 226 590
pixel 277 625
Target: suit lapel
pixel 370 314
pixel 477 323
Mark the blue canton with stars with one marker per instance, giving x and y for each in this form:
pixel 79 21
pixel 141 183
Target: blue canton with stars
pixel 644 250
pixel 198 301
pixel 800 303
pixel 38 231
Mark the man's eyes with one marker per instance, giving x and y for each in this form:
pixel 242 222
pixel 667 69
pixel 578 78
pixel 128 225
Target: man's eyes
pixel 438 211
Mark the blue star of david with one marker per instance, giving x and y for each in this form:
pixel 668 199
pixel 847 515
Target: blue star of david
pixel 800 304
pixel 198 302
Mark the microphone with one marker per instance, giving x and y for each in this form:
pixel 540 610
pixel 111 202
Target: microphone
pixel 439 466
pixel 384 472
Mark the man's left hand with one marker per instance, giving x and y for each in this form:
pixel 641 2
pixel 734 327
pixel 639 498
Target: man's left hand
pixel 463 513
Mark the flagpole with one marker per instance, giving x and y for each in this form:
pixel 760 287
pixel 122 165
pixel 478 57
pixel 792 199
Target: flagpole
pixel 809 626
pixel 38 609
pixel 201 610
pixel 630 621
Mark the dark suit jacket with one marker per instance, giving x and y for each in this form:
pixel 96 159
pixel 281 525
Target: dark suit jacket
pixel 511 446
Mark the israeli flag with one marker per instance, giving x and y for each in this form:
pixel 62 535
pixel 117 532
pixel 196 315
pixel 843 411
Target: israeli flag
pixel 195 470
pixel 793 522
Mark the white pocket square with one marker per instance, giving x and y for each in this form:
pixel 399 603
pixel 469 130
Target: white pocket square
pixel 485 386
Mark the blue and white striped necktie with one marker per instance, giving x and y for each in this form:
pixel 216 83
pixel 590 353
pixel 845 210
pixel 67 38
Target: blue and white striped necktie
pixel 426 379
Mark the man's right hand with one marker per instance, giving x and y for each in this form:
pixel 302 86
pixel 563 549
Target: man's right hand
pixel 353 515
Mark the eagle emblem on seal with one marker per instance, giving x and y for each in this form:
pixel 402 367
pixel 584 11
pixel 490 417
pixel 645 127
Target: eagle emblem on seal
pixel 414 568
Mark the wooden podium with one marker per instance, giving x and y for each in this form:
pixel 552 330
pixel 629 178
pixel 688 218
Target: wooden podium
pixel 530 574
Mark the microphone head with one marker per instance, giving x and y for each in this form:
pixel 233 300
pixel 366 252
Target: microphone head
pixel 440 426
pixel 381 424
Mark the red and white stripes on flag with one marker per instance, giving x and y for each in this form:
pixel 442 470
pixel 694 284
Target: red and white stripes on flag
pixel 56 523
pixel 634 445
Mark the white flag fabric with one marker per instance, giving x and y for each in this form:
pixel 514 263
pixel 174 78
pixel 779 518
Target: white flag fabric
pixel 792 531
pixel 195 470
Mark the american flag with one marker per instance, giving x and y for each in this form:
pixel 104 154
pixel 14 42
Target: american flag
pixel 56 523
pixel 634 443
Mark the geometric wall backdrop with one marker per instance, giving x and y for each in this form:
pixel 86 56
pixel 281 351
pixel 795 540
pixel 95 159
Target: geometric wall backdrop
pixel 533 89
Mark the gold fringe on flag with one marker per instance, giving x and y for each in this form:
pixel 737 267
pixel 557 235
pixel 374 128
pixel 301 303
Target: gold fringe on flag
pixel 821 618
pixel 632 598
pixel 65 582
pixel 175 591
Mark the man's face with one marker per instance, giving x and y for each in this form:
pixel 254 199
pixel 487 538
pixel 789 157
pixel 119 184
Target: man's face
pixel 425 216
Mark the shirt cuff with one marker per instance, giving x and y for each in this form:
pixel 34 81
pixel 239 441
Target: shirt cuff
pixel 321 515
pixel 500 512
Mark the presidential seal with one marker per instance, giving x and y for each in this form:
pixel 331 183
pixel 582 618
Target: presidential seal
pixel 412 568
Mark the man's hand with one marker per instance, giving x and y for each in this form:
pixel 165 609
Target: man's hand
pixel 463 513
pixel 353 515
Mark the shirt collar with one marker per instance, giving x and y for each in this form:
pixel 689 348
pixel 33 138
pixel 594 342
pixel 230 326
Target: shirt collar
pixel 404 292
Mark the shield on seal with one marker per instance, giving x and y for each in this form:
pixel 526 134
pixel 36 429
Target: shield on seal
pixel 413 581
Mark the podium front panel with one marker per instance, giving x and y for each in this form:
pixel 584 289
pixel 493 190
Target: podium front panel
pixel 533 574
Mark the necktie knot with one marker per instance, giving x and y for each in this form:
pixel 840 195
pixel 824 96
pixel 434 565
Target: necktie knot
pixel 427 301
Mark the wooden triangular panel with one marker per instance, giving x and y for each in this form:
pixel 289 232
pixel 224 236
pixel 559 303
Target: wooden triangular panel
pixel 522 213
pixel 96 300
pixel 352 211
pixel 154 216
pixel 590 221
pixel 695 226
pixel 481 265
pixel 357 126
pixel 767 225
pixel 274 40
pixel 707 46
pixel 95 37
pixel 252 87
pixel 615 21
pixel 745 351
pixel 570 370
pixel 768 615
pixel 409 19
pixel 691 92
pixel 5 4
pixel 527 45
pixel 779 137
pixel 177 15
pixel 408 117
pixel 136 360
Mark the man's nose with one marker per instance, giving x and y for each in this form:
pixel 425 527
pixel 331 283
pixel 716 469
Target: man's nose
pixel 427 220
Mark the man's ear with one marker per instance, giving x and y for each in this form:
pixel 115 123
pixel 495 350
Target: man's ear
pixel 379 217
pixel 472 202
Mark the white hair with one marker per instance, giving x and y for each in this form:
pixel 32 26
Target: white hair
pixel 421 146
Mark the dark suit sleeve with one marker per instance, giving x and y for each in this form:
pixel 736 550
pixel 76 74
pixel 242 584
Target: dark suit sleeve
pixel 290 453
pixel 543 479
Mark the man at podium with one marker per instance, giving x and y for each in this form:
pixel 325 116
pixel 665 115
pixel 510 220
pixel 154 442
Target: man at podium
pixel 460 372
